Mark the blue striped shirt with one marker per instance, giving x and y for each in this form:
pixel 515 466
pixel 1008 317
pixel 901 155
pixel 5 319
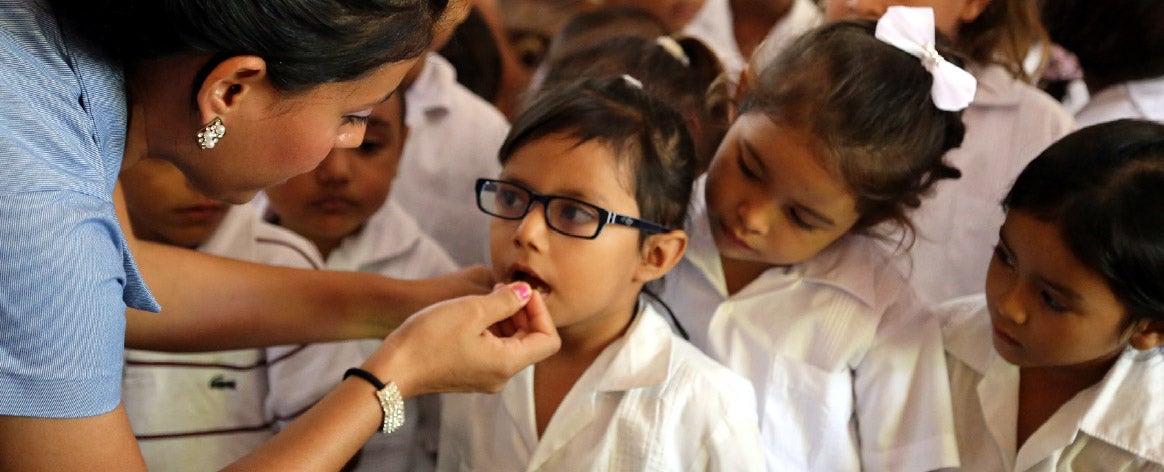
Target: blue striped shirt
pixel 66 274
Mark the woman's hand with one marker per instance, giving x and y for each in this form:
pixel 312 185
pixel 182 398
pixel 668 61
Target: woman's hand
pixel 450 346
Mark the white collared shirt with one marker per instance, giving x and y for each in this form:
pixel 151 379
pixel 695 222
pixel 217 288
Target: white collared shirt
pixel 650 401
pixel 391 244
pixel 847 370
pixel 1007 125
pixel 1115 424
pixel 1141 99
pixel 713 25
pixel 453 140
pixel 204 411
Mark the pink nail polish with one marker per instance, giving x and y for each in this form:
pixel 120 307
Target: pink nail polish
pixel 523 291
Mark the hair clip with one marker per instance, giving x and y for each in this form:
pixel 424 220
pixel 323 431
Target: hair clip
pixel 672 47
pixel 632 81
pixel 911 29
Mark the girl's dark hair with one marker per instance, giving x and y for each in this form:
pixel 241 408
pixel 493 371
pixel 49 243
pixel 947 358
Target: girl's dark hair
pixel 646 134
pixel 588 28
pixel 304 42
pixel 1116 41
pixel 1103 186
pixel 868 104
pixel 689 82
pixel 1004 33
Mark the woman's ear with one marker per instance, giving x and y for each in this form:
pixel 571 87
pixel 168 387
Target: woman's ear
pixel 660 252
pixel 229 84
pixel 1148 335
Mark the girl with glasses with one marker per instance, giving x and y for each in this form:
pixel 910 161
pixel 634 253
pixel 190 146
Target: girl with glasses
pixel 595 177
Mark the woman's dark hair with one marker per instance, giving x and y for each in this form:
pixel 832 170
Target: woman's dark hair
pixel 1116 41
pixel 868 105
pixel 1103 186
pixel 304 42
pixel 687 78
pixel 647 136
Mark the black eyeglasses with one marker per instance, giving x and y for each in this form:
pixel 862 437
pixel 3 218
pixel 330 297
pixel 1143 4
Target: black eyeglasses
pixel 569 216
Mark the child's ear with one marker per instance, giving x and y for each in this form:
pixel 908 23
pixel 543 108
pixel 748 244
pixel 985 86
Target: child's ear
pixel 971 9
pixel 1149 335
pixel 228 84
pixel 660 252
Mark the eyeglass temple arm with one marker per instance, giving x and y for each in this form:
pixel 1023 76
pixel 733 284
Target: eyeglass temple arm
pixel 615 218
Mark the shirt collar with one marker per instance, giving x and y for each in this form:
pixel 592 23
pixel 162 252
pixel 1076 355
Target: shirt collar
pixel 996 87
pixel 428 97
pixel 1127 409
pixel 1148 97
pixel 642 357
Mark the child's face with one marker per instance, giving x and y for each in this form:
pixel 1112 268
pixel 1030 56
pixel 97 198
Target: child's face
pixel 948 14
pixel 769 199
pixel 333 201
pixel 165 208
pixel 586 283
pixel 1046 307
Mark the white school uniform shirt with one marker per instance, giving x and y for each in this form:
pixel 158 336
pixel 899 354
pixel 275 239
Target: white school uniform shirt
pixel 649 402
pixel 1140 99
pixel 713 25
pixel 1007 125
pixel 204 411
pixel 1112 425
pixel 848 372
pixel 453 140
pixel 390 244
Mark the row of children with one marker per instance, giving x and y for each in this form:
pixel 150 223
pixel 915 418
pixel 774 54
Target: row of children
pixel 781 274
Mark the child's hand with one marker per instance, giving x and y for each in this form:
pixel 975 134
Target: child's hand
pixel 473 343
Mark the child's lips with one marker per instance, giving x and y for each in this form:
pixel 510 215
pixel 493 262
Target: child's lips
pixel 524 274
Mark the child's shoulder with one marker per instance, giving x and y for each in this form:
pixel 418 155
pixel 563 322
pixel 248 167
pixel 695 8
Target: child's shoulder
pixel 862 267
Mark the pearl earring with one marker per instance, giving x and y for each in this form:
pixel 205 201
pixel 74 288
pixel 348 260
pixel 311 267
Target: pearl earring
pixel 209 135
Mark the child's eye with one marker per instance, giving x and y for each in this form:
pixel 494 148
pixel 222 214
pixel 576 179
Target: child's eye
pixel 510 199
pixel 1051 302
pixel 369 147
pixel 798 220
pixel 1003 256
pixel 748 173
pixel 576 215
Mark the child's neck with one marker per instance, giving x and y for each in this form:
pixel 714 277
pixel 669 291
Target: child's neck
pixel 581 344
pixel 739 273
pixel 752 21
pixel 1043 390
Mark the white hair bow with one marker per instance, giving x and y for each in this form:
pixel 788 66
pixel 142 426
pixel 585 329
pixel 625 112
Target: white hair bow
pixel 911 29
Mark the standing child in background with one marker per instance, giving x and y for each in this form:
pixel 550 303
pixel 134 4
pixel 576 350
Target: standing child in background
pixel 342 207
pixel 199 411
pixel 684 73
pixel 593 177
pixel 454 137
pixel 1008 123
pixel 1074 306
pixel 784 282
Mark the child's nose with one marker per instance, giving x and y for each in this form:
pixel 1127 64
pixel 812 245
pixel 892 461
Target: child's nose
pixel 532 228
pixel 1010 306
pixel 754 215
pixel 336 168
